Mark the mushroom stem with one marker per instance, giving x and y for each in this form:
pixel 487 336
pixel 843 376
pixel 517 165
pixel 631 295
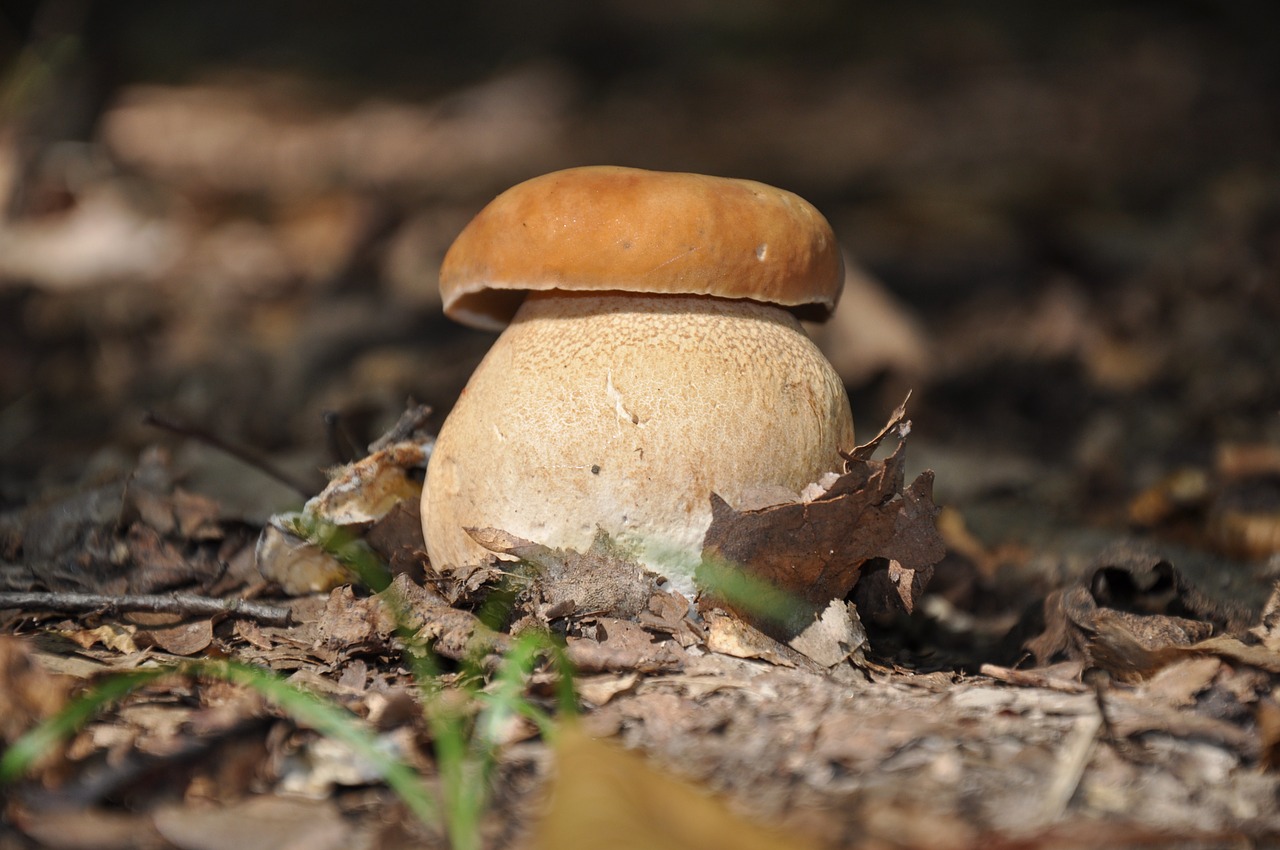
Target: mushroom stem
pixel 625 412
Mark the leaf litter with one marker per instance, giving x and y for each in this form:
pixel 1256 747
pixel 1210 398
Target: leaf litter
pixel 705 692
pixel 1134 709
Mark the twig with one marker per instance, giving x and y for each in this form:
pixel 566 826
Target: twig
pixel 167 603
pixel 184 429
pixel 1074 759
pixel 411 423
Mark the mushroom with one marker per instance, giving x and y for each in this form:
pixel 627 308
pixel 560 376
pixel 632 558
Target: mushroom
pixel 653 357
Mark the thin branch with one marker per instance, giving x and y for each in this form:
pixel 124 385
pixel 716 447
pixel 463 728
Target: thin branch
pixel 168 603
pixel 409 426
pixel 185 429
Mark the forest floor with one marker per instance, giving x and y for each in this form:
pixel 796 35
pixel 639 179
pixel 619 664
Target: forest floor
pixel 1072 261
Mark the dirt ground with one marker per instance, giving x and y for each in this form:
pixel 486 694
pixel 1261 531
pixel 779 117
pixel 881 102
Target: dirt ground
pixel 223 225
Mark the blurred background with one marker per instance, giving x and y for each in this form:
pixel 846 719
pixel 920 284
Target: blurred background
pixel 1063 224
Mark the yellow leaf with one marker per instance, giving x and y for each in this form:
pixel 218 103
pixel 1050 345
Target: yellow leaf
pixel 603 796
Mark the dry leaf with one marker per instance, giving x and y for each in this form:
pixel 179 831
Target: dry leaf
pixel 259 823
pixel 815 551
pixel 1136 614
pixel 28 692
pixel 834 637
pixel 397 537
pixel 667 612
pixel 183 639
pixel 606 797
pixel 622 646
pixel 91 829
pixel 356 624
pixel 367 490
pixel 298 566
pixel 112 636
pixel 598 690
pixel 1261 657
pixel 728 635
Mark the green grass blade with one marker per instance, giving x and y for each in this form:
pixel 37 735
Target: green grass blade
pixel 19 758
pixel 333 722
pixel 302 706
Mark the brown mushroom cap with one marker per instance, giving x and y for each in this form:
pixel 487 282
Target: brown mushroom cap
pixel 611 228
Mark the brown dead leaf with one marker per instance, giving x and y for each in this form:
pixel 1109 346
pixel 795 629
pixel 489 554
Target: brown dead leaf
pixel 1231 649
pixel 90 829
pixel 835 637
pixel 604 795
pixel 611 644
pixel 397 537
pixel 1129 646
pixel 367 490
pixel 28 692
pixel 667 612
pixel 815 551
pixel 1180 682
pixel 151 498
pixel 729 635
pixel 259 823
pixel 298 566
pixel 355 624
pixel 178 638
pixel 112 636
pixel 598 690
pixel 1267 718
pixel 1136 614
pixel 452 632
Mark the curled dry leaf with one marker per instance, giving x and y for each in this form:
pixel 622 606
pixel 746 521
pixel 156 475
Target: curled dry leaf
pixel 1138 615
pixel 814 551
pixel 296 564
pixel 1128 645
pixel 367 490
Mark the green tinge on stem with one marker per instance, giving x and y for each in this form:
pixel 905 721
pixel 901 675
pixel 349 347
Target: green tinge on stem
pixel 346 547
